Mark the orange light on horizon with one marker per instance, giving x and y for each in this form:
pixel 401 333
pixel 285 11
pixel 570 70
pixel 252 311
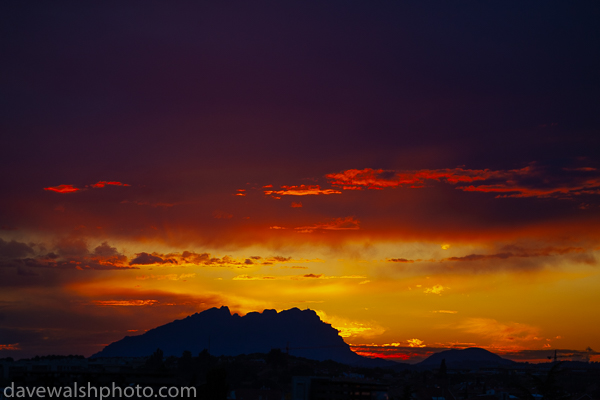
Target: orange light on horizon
pixel 124 303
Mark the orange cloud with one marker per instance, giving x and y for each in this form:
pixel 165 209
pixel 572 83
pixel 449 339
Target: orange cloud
pixel 400 260
pixel 337 224
pixel 301 190
pixel 63 189
pixel 504 335
pixel 294 277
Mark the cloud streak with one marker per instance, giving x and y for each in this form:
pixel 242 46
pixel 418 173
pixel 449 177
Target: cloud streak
pixel 294 277
pixel 336 224
pixel 530 181
pixel 72 189
pixel 300 190
pixel 63 189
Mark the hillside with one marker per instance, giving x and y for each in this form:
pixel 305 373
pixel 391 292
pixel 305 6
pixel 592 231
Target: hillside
pixel 470 357
pixel 301 332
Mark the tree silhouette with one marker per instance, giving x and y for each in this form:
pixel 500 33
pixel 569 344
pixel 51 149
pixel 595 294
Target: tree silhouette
pixel 276 359
pixel 155 361
pixel 185 363
pixel 443 369
pixel 547 386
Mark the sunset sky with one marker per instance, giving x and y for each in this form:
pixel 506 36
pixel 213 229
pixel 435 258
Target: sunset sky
pixel 424 175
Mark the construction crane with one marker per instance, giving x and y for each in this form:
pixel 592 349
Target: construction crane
pixel 589 352
pixel 556 356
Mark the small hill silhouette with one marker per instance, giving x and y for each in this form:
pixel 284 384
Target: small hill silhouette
pixel 301 332
pixel 470 357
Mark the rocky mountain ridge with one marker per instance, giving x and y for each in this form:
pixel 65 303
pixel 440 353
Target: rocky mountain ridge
pixel 299 332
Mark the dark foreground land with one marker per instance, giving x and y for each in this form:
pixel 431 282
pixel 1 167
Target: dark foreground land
pixel 277 375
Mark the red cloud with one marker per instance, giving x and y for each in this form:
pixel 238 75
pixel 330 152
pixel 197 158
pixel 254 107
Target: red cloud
pixel 512 189
pixel 11 346
pixel 63 189
pixel 379 178
pixel 529 181
pixel 71 188
pixel 101 184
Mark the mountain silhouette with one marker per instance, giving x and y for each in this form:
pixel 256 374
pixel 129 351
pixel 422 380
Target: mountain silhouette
pixel 301 332
pixel 470 357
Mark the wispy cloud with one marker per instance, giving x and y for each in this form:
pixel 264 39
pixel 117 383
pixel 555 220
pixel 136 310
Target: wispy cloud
pixel 170 277
pixel 530 181
pixel 102 184
pixel 400 260
pixel 206 259
pixel 72 188
pixel 518 252
pixel 294 277
pixel 501 334
pixel 301 190
pixel 124 303
pixel 336 224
